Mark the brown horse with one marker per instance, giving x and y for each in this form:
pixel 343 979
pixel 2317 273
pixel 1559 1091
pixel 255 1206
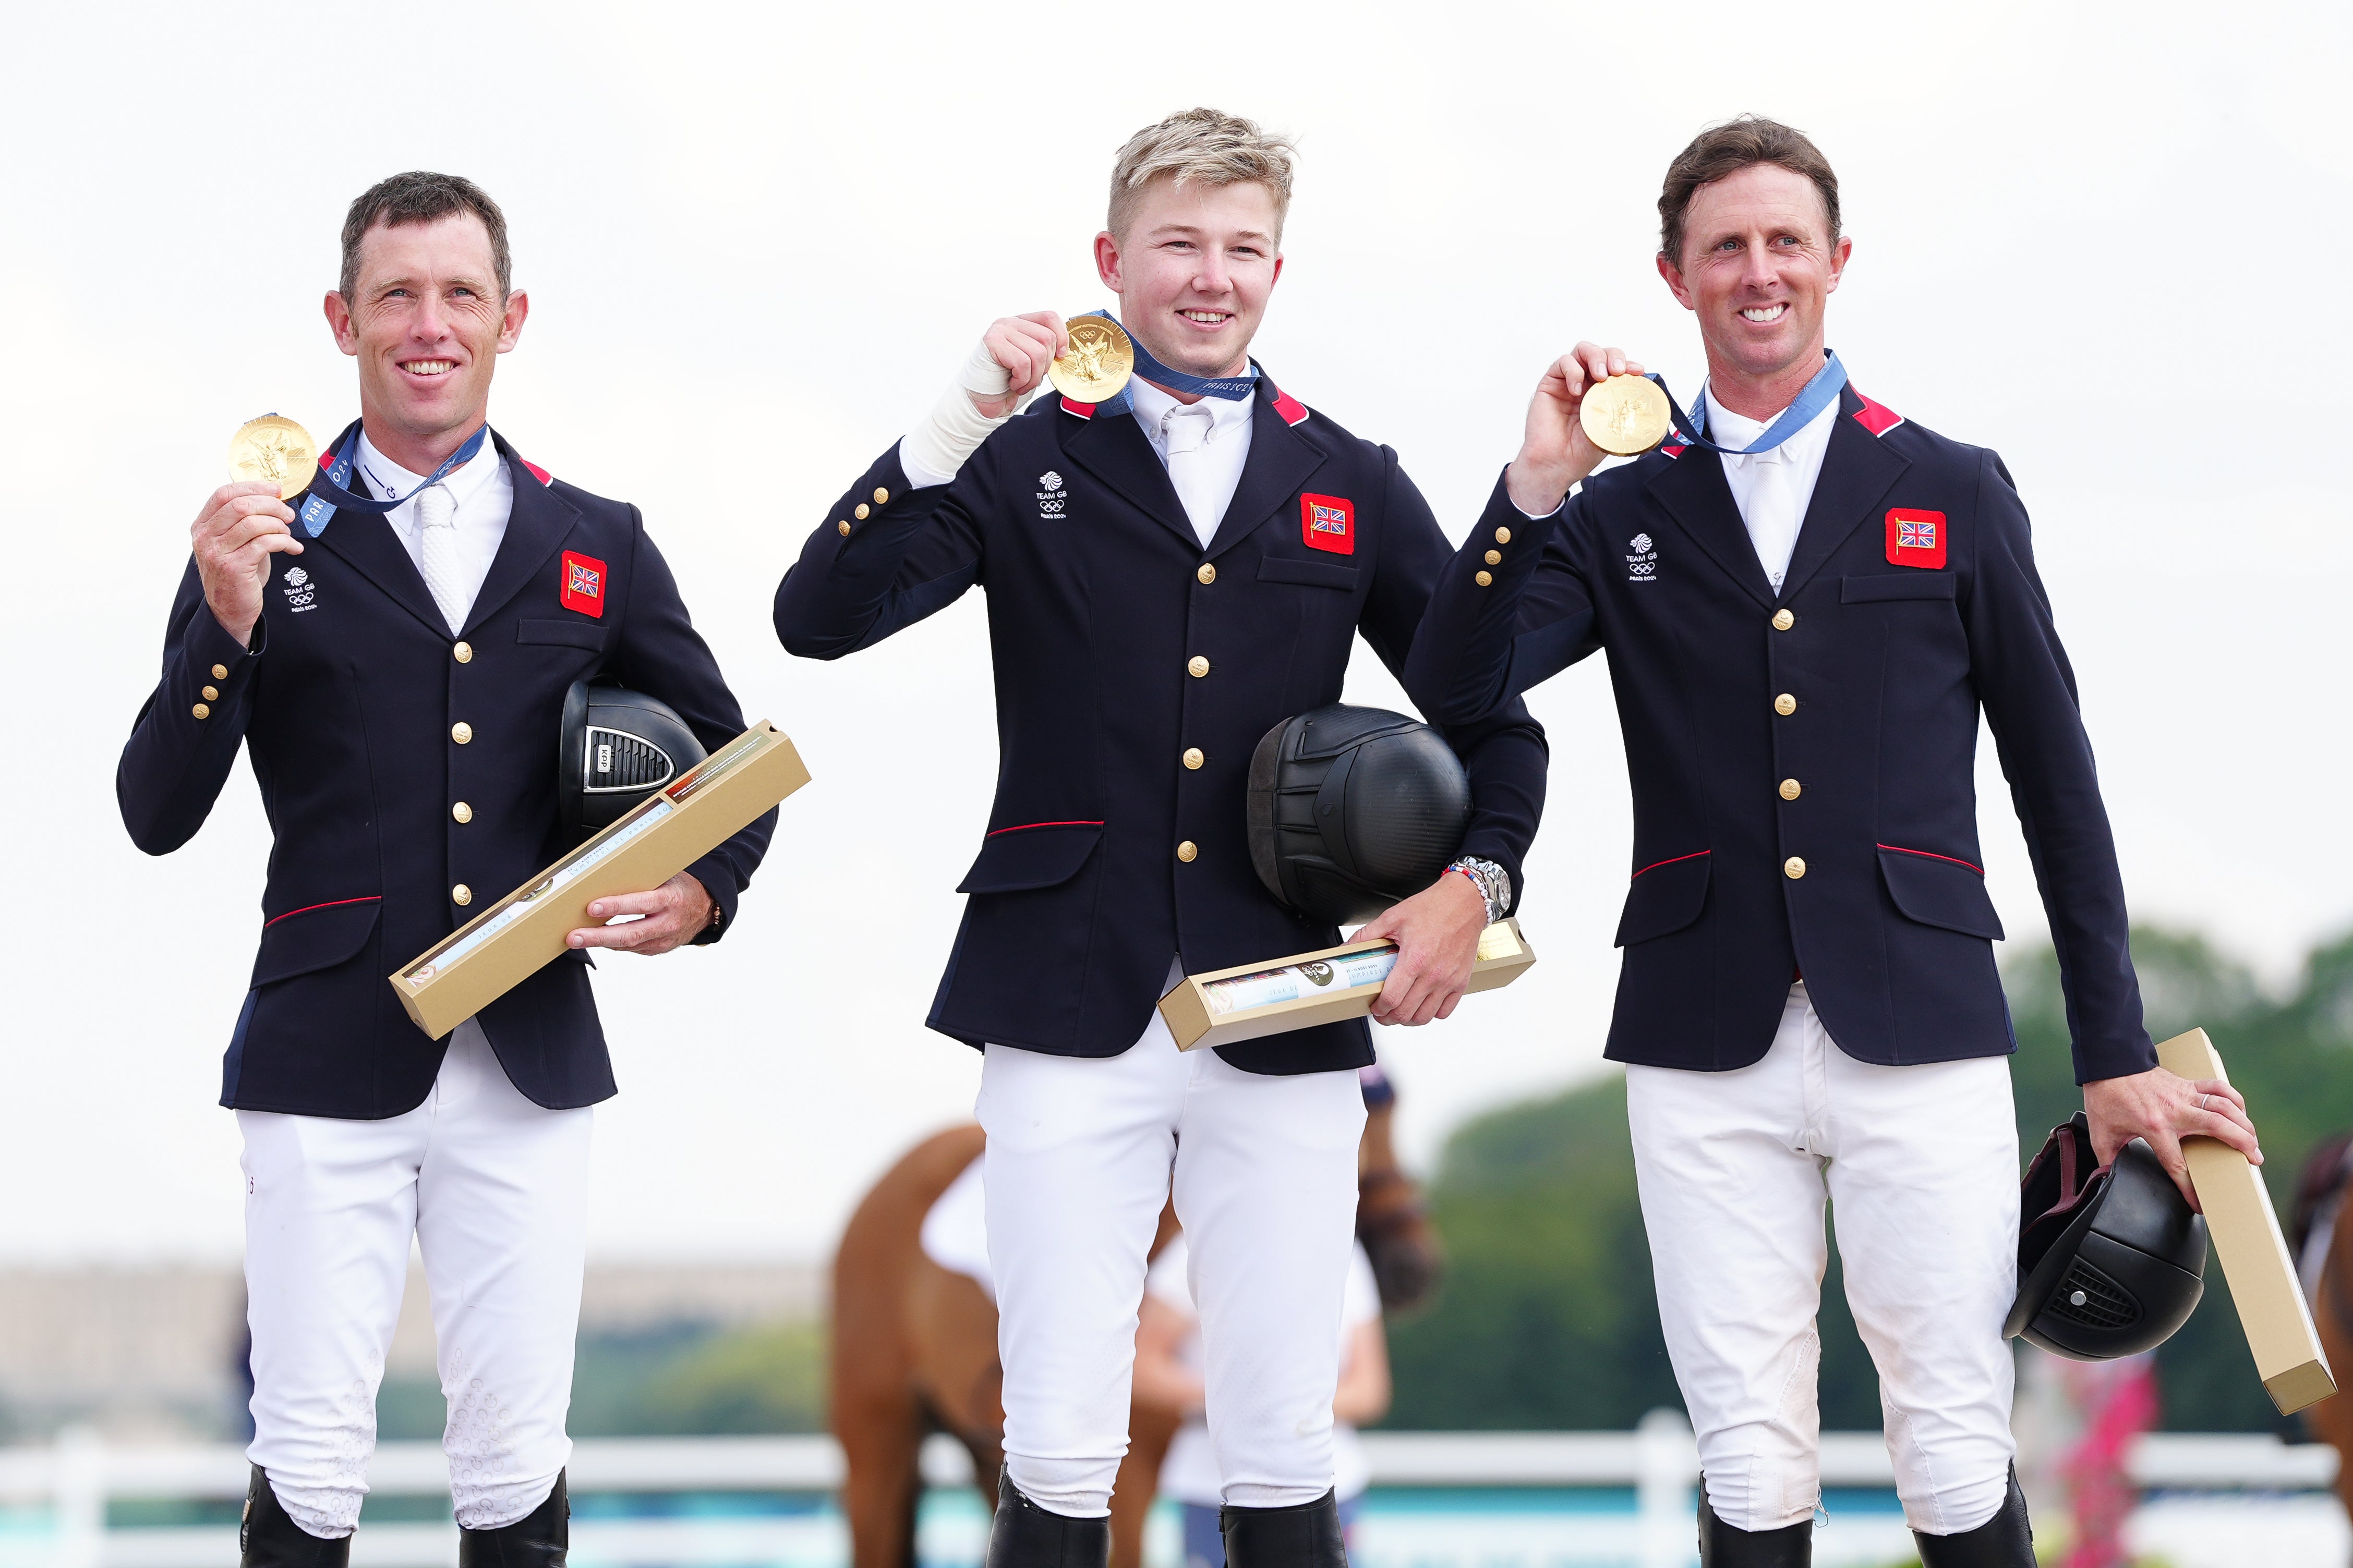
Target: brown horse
pixel 2321 1202
pixel 914 1344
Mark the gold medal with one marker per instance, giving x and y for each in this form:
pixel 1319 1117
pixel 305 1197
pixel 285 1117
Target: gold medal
pixel 1100 359
pixel 275 450
pixel 1625 414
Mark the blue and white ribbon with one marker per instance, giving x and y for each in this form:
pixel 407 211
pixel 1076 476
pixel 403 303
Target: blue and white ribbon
pixel 1818 394
pixel 330 494
pixel 1233 388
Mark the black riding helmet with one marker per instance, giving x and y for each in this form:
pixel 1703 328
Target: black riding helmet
pixel 1352 809
pixel 614 748
pixel 2111 1258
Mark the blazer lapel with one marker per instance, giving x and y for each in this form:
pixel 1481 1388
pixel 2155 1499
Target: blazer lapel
pixel 368 541
pixel 1858 471
pixel 538 525
pixel 1691 490
pixel 1281 462
pixel 1114 449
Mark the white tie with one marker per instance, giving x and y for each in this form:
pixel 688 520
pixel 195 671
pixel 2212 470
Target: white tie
pixel 1185 430
pixel 437 554
pixel 1773 520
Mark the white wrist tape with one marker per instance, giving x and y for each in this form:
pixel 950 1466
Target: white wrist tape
pixel 954 430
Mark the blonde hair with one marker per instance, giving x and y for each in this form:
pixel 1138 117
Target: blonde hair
pixel 1203 144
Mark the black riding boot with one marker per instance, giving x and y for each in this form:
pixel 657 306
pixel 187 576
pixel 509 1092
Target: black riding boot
pixel 269 1539
pixel 1722 1546
pixel 1027 1536
pixel 1305 1535
pixel 2005 1540
pixel 540 1539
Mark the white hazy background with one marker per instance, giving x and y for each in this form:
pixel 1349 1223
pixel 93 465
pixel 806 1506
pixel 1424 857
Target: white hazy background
pixel 2108 240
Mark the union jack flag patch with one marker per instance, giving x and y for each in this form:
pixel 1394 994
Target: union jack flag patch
pixel 582 587
pixel 1328 522
pixel 1915 538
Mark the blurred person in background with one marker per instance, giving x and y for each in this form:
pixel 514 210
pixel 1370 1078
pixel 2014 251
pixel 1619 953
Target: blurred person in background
pixel 396 664
pixel 1168 1378
pixel 1170 574
pixel 1808 601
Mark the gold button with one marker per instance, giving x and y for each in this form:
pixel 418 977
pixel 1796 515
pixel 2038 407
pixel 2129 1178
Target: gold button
pixel 220 672
pixel 201 711
pixel 461 894
pixel 462 731
pixel 1485 579
pixel 1494 558
pixel 212 694
pixel 1790 789
pixel 462 812
pixel 1198 665
pixel 1193 757
pixel 1208 574
pixel 880 495
pixel 1793 867
pixel 858 512
pixel 463 653
pixel 1783 620
pixel 1503 536
pixel 844 526
pixel 1186 850
pixel 1785 705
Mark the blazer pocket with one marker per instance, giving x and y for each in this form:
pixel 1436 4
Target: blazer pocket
pixel 1938 891
pixel 1044 854
pixel 1667 895
pixel 566 634
pixel 318 937
pixel 1915 584
pixel 1314 573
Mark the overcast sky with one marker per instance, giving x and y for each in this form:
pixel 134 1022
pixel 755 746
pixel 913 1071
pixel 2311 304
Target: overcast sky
pixel 2108 240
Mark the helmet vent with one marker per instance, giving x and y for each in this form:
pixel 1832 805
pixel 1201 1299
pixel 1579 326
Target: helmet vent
pixel 616 761
pixel 2089 1297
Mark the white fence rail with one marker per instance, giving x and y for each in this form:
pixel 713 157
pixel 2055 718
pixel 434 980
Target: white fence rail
pixel 78 1476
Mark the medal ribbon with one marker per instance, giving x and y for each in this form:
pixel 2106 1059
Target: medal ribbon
pixel 1818 394
pixel 329 494
pixel 1233 388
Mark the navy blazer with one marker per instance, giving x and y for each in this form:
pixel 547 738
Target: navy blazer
pixel 347 702
pixel 1803 764
pixel 1117 837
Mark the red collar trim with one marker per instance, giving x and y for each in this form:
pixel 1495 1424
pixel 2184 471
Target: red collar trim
pixel 1293 412
pixel 1876 417
pixel 1083 410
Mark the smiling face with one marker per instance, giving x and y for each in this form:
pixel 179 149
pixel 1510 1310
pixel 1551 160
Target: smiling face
pixel 1759 266
pixel 1194 270
pixel 427 324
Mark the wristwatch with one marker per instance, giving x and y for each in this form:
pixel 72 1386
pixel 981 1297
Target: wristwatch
pixel 1494 884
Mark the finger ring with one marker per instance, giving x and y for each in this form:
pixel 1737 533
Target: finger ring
pixel 2202 1103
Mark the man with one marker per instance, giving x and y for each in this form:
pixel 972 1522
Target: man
pixel 396 665
pixel 1806 600
pixel 1168 577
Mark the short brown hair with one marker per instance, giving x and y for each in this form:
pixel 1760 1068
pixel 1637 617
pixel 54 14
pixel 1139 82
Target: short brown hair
pixel 421 196
pixel 1724 149
pixel 1204 144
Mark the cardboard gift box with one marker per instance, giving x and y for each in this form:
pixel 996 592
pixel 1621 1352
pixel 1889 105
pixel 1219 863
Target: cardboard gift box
pixel 1252 1001
pixel 2246 1232
pixel 664 834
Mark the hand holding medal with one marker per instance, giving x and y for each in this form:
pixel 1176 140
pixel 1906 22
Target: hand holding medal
pixel 1589 386
pixel 245 521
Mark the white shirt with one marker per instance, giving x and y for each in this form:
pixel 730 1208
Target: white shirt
pixel 1206 476
pixel 1772 489
pixel 483 491
pixel 1189 1472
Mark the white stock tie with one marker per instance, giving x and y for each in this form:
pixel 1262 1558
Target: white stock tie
pixel 1773 520
pixel 1185 430
pixel 437 554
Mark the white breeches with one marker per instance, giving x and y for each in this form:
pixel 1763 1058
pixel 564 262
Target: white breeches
pixel 494 1189
pixel 1082 1152
pixel 1922 1163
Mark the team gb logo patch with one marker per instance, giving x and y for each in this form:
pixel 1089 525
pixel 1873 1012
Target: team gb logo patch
pixel 1052 499
pixel 1643 565
pixel 300 594
pixel 582 587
